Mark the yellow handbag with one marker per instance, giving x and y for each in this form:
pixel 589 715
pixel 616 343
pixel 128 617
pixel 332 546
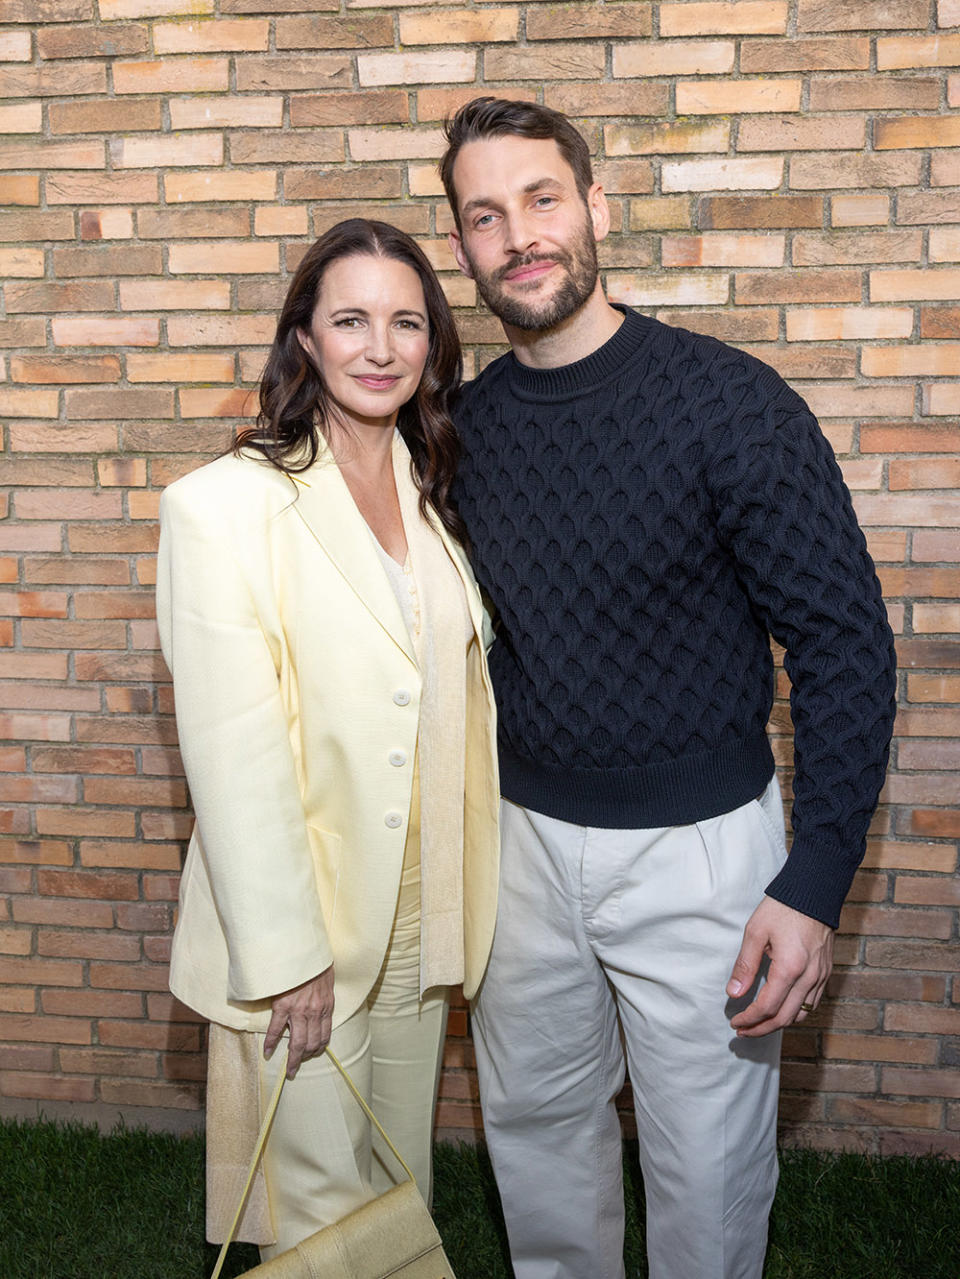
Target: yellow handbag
pixel 391 1237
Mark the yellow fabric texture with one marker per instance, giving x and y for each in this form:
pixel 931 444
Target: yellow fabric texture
pixel 297 851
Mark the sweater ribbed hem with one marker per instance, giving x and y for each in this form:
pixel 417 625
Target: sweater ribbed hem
pixel 672 793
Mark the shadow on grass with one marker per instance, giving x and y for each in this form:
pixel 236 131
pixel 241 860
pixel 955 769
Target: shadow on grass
pixel 75 1204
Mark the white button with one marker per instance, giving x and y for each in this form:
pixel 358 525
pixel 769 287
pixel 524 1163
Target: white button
pixel 402 697
pixel 397 758
pixel 393 820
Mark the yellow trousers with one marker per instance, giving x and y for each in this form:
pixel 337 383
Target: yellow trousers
pixel 319 1161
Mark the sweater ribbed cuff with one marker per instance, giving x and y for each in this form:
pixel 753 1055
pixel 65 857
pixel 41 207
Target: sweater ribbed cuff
pixel 815 879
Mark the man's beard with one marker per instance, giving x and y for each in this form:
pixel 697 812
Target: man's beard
pixel 580 278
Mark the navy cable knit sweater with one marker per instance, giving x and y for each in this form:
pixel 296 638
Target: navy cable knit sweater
pixel 643 520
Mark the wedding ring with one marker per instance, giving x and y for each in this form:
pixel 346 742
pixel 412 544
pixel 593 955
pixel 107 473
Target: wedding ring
pixel 808 1008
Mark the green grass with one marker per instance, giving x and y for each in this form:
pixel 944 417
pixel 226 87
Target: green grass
pixel 78 1205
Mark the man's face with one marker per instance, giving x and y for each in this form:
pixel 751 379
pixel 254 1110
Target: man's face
pixel 527 236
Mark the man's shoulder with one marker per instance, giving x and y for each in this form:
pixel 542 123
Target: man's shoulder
pixel 727 363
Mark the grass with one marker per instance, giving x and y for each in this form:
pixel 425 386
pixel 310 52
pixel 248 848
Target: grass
pixel 75 1204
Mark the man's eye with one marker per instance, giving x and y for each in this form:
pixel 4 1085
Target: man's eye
pixel 483 220
pixel 546 200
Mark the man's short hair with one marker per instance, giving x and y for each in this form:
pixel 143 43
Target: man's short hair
pixel 485 118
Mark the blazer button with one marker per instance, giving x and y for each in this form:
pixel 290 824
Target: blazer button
pixel 397 758
pixel 402 697
pixel 393 820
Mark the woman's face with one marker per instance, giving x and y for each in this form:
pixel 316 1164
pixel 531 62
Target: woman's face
pixel 369 336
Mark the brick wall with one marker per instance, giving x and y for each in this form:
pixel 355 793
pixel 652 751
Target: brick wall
pixel 784 174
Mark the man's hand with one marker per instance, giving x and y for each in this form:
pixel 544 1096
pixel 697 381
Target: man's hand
pixel 800 950
pixel 308 1011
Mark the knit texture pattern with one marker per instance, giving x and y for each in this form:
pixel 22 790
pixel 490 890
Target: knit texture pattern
pixel 643 520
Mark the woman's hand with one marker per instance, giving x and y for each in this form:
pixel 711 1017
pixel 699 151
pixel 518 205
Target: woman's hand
pixel 308 1011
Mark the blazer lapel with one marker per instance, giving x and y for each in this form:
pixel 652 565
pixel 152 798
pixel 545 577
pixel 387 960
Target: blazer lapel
pixel 325 505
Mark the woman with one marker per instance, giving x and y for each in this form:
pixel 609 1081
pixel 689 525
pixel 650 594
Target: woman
pixel 336 725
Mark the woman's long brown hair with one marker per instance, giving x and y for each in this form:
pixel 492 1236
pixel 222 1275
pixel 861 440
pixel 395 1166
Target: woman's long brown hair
pixel 295 404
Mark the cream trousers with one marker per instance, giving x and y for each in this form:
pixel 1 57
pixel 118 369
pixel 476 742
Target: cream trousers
pixel 614 944
pixel 319 1163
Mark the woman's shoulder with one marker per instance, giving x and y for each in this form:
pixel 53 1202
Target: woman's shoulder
pixel 242 482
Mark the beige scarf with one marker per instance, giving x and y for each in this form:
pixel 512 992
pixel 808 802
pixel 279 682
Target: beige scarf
pixel 441 649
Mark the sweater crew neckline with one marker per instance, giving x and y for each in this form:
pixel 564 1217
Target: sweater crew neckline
pixel 582 376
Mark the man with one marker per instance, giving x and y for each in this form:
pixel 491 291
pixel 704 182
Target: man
pixel 646 507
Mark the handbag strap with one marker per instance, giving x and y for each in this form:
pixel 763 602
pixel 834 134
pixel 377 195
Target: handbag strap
pixel 262 1141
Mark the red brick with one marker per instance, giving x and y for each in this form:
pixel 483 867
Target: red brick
pixel 36 851
pixel 919 208
pixel 884 921
pixel 42 728
pixel 143 917
pixel 166 825
pixel 899 437
pixel 877 1048
pixel 126 701
pixel 119 666
pixel 747 17
pixel 122 729
pixel 124 856
pixel 385 106
pixel 797 54
pixel 368 182
pixel 14 879
pixel 847 247
pixel 939 50
pixel 40 972
pixel 87 884
pixel 859 210
pixel 902 855
pixel 809 285
pixel 92 42
pixel 167 1009
pixel 128 976
pixel 45 1087
pixel 160 1038
pixel 19 189
pixel 55 81
pixel 72 914
pixel 164 224
pixel 865 93
pixel 16 941
pixel 311 72
pixel 920 1143
pixel 720 212
pixel 38 790
pixel 828 1077
pixel 912 955
pixel 636 99
pixel 78 944
pixel 812 171
pixel 859 15
pixel 96 1061
pixel 920 1083
pixel 17 999
pixel 28 1057
pixel 120 1092
pixel 922 1021
pixel 884 1114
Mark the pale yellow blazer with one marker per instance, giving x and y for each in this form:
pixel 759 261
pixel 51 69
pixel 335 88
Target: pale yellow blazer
pixel 297 699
